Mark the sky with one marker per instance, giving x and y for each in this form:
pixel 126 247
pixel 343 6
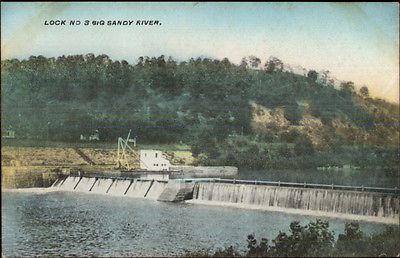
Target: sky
pixel 356 42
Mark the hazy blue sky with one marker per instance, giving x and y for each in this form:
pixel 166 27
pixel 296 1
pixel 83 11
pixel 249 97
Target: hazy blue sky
pixel 358 41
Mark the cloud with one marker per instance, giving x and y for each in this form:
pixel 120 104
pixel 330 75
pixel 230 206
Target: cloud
pixel 31 29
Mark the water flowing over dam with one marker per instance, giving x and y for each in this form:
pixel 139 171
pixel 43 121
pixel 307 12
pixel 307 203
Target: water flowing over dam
pixel 111 186
pixel 372 204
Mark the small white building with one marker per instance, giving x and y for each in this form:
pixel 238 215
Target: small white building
pixel 93 137
pixel 154 160
pixel 9 134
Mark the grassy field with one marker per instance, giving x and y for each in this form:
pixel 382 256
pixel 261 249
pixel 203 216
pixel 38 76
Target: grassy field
pixel 39 152
pixel 31 163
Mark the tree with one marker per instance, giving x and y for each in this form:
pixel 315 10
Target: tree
pixel 165 101
pixel 325 80
pixel 347 87
pixel 254 61
pixel 312 240
pixel 364 92
pixel 293 113
pixel 255 249
pixel 351 241
pixel 352 231
pixel 303 146
pixel 244 62
pixel 316 240
pixel 312 75
pixel 273 64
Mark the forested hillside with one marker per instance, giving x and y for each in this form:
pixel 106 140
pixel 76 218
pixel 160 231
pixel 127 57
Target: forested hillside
pixel 245 115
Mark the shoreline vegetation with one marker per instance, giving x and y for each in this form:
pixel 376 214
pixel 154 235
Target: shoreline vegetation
pixel 316 240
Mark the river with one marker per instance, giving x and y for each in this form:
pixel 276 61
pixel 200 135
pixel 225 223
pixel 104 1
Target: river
pixel 78 224
pixel 354 177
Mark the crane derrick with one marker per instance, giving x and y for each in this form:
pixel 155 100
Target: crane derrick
pixel 124 150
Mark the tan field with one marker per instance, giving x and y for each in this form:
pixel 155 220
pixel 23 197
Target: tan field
pixel 35 166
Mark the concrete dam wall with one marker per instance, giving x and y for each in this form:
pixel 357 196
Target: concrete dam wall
pixel 379 206
pixel 205 171
pixel 111 186
pixel 315 201
pixel 171 191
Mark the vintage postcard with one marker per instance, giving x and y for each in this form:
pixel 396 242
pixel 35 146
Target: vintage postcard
pixel 167 129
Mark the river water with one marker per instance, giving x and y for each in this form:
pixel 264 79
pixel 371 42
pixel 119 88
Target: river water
pixel 353 177
pixel 78 224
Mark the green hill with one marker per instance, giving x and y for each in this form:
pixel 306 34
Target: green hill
pixel 242 115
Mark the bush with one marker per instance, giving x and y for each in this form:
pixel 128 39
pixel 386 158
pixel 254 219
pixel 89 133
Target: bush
pixel 316 240
pixel 303 146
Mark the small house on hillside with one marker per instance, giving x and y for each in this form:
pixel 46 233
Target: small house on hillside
pixel 154 160
pixel 8 133
pixel 93 137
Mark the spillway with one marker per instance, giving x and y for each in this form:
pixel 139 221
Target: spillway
pixel 156 190
pixel 138 189
pixel 111 186
pixel 57 183
pixel 370 205
pixel 119 187
pixel 69 183
pixel 85 184
pixel 322 200
pixel 101 186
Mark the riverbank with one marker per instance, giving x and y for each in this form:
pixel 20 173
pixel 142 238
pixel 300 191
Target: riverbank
pixel 32 157
pixel 30 163
pixel 27 176
pixel 316 239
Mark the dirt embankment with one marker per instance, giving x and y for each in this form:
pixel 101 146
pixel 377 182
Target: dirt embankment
pixel 27 176
pixel 39 166
pixel 52 156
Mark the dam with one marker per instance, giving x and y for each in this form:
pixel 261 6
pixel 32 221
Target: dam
pixel 352 204
pixel 161 190
pixel 149 189
pixel 361 203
